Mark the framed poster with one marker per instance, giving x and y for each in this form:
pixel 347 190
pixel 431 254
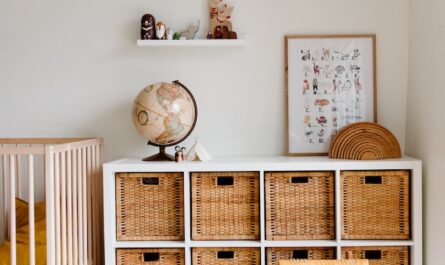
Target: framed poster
pixel 331 82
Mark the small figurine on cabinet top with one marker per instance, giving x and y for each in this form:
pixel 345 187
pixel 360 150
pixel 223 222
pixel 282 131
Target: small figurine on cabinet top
pixel 160 30
pixel 220 14
pixel 147 27
pixel 180 154
pixel 209 35
pixel 191 31
pixel 169 34
pixel 218 33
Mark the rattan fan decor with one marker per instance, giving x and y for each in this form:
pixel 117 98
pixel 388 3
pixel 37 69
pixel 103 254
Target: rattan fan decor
pixel 364 141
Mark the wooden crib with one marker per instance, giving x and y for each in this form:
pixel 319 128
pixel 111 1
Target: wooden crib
pixel 68 173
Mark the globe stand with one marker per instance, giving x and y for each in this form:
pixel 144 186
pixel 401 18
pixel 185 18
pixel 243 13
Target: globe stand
pixel 161 156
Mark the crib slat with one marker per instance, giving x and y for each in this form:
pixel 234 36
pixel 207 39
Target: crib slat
pixel 5 196
pixel 96 205
pixel 12 221
pixel 80 203
pixel 75 209
pixel 50 208
pixel 90 210
pixel 63 205
pixel 57 206
pixel 32 243
pixel 69 208
pixel 84 208
pixel 18 166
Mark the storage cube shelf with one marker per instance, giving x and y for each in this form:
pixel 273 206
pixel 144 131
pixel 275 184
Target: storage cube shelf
pixel 258 210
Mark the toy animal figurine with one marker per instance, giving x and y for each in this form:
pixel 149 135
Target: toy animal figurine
pixel 218 33
pixel 191 31
pixel 169 34
pixel 220 14
pixel 148 27
pixel 160 30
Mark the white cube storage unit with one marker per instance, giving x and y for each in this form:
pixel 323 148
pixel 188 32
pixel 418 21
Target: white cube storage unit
pixel 258 210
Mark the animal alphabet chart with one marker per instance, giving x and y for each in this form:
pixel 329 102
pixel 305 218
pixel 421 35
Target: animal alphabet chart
pixel 330 84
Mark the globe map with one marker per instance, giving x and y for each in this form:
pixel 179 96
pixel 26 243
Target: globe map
pixel 164 114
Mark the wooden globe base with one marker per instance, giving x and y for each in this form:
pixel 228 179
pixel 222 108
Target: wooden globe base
pixel 161 156
pixel 364 141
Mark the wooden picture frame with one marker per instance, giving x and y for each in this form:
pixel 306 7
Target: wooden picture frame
pixel 331 81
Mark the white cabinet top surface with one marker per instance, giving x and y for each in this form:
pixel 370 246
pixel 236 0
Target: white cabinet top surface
pixel 263 163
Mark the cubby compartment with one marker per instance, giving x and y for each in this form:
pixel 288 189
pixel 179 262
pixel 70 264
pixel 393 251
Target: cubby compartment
pixel 375 204
pixel 152 256
pixel 274 255
pixel 225 205
pixel 226 256
pixel 378 255
pixel 300 205
pixel 150 206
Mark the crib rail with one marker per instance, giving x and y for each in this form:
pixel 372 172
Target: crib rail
pixel 73 191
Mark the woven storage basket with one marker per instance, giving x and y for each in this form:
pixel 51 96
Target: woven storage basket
pixel 150 206
pixel 375 204
pixel 150 256
pixel 378 255
pixel 300 205
pixel 226 256
pixel 274 255
pixel 225 205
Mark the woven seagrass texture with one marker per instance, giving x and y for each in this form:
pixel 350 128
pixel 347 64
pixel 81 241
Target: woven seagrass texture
pixel 364 141
pixel 300 205
pixel 225 205
pixel 274 255
pixel 375 204
pixel 226 256
pixel 378 255
pixel 325 262
pixel 150 206
pixel 150 256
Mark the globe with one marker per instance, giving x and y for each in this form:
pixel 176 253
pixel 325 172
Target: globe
pixel 165 115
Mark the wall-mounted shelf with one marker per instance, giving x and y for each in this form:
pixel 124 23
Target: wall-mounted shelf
pixel 191 43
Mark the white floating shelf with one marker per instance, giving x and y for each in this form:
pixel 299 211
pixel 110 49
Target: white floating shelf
pixel 191 43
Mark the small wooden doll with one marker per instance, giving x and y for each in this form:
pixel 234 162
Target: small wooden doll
pixel 148 31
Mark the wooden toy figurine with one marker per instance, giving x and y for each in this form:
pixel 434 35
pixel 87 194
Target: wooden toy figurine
pixel 160 30
pixel 148 27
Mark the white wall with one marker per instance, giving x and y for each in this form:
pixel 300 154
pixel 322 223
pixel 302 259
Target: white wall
pixel 425 121
pixel 71 68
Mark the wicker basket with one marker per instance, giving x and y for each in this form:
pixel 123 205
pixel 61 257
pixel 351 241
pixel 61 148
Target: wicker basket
pixel 300 205
pixel 274 255
pixel 378 255
pixel 163 256
pixel 150 206
pixel 226 256
pixel 375 204
pixel 225 205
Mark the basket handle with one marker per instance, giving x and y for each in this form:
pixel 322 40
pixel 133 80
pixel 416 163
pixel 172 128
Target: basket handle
pixel 373 180
pixel 226 254
pixel 224 181
pixel 300 180
pixel 300 254
pixel 150 181
pixel 373 254
pixel 151 256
